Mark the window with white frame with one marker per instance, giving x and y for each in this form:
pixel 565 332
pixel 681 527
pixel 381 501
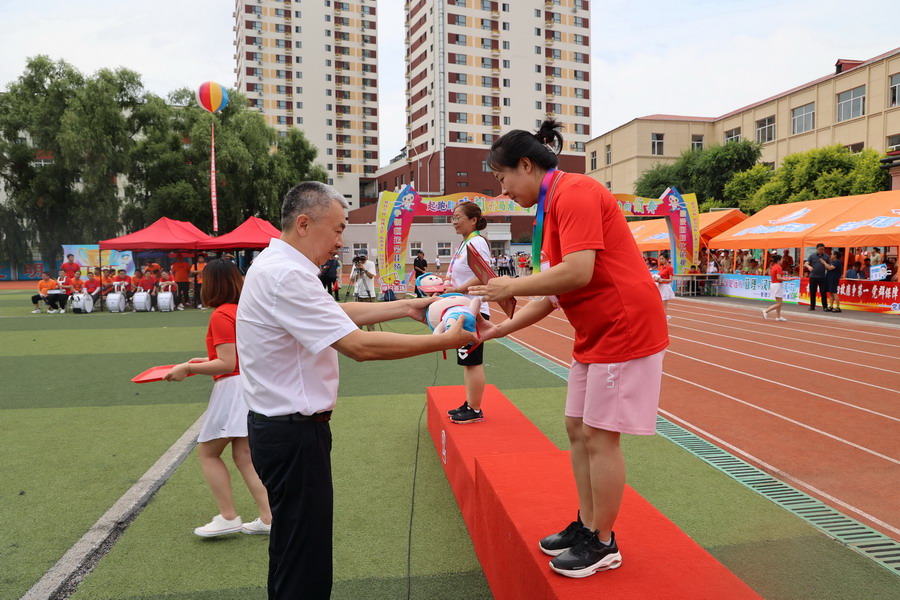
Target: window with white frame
pixel 851 104
pixel 443 249
pixel 765 130
pixel 893 143
pixel 656 144
pixel 803 118
pixel 593 160
pixel 360 248
pixel 894 91
pixel 733 135
pixel 608 154
pixel 414 249
pixel 696 142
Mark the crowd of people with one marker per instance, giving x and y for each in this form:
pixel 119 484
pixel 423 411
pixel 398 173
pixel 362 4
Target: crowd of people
pixel 182 279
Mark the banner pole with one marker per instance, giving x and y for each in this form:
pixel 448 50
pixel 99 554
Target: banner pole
pixel 212 177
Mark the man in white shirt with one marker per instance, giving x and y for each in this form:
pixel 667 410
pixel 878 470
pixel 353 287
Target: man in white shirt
pixel 289 331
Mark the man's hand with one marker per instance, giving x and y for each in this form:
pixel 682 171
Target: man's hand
pixel 494 290
pixel 418 306
pixel 459 336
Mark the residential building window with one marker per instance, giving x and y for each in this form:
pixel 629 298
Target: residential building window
pixel 803 118
pixel 594 160
pixel 578 146
pixel 487 139
pixel 608 154
pixel 506 45
pixel 733 135
pixel 505 64
pixel 458 20
pixel 582 129
pixel 486 120
pixel 893 143
pixel 363 247
pixel 855 148
pixel 507 102
pixel 538 104
pixel 507 121
pixel 696 142
pixel 443 249
pixel 851 104
pixel 459 59
pixel 656 144
pixel 462 118
pixel 486 81
pixel 894 99
pixel 765 130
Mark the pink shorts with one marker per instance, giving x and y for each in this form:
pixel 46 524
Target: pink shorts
pixel 621 397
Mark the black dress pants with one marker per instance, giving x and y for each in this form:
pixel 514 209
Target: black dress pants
pixel 816 285
pixel 293 460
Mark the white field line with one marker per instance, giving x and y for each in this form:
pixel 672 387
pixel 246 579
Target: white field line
pixel 779 473
pixel 829 346
pixel 788 365
pixel 816 327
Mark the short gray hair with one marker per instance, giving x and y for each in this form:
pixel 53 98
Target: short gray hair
pixel 310 198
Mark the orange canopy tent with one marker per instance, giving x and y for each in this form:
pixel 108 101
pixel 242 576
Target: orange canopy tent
pixel 874 220
pixel 653 234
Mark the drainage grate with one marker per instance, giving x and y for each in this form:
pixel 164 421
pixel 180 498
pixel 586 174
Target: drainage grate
pixel 861 538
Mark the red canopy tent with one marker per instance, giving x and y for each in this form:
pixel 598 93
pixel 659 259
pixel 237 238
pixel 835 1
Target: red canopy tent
pixel 164 234
pixel 252 233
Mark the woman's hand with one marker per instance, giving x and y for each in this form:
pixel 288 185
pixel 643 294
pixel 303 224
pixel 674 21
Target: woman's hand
pixel 494 290
pixel 178 372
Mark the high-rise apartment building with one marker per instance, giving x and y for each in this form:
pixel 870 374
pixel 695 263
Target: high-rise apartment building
pixel 478 68
pixel 313 65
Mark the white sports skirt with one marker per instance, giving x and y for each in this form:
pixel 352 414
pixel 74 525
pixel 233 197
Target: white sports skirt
pixel 665 290
pixel 775 291
pixel 226 415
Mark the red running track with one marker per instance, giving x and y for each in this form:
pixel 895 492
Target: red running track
pixel 814 401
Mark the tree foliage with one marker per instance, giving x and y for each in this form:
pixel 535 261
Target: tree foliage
pixel 84 158
pixel 703 172
pixel 739 192
pixel 828 172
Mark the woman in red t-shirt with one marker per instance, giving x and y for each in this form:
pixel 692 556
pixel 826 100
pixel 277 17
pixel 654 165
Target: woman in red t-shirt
pixel 226 417
pixel 587 263
pixel 664 282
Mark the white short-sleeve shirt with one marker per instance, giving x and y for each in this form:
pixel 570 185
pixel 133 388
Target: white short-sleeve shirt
pixel 459 265
pixel 286 323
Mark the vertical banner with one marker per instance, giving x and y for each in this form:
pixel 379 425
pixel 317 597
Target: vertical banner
pixel 682 217
pixel 212 177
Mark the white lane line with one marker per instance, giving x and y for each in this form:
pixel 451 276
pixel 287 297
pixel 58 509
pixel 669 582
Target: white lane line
pixel 789 420
pixel 784 364
pixel 784 385
pixel 749 341
pixel 817 327
pixel 778 472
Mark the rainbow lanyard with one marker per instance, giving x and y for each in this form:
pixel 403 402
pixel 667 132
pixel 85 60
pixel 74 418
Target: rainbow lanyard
pixel 537 235
pixel 459 251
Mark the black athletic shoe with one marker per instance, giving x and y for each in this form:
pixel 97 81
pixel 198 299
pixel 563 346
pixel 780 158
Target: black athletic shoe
pixel 454 411
pixel 587 557
pixel 468 415
pixel 556 544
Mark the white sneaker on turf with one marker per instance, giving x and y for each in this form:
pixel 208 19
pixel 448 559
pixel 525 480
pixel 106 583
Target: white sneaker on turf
pixel 52 312
pixel 781 319
pixel 219 526
pixel 180 307
pixel 256 527
pixel 36 311
pixel 62 311
pixel 765 314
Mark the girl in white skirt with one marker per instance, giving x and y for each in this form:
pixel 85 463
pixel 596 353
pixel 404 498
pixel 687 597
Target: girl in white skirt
pixel 226 415
pixel 664 282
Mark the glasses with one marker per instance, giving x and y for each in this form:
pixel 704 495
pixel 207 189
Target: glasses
pixel 457 219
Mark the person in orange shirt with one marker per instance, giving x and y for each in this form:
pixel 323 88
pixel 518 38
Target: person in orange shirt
pixel 197 273
pixel 46 284
pixel 181 274
pixel 106 280
pixel 93 286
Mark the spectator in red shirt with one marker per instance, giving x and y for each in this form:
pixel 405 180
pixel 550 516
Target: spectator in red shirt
pixel 70 266
pixel 587 263
pixel 181 274
pixel 92 286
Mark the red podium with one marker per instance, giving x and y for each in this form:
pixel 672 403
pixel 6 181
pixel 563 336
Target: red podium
pixel 514 486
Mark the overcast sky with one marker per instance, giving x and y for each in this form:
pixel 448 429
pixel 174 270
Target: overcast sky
pixel 691 57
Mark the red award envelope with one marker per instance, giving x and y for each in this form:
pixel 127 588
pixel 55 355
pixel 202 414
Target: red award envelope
pixel 154 374
pixel 485 273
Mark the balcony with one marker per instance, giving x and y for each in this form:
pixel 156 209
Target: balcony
pixel 495 91
pixel 495 110
pixel 549 24
pixel 495 33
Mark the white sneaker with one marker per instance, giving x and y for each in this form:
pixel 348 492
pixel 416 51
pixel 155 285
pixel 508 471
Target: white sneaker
pixel 765 314
pixel 256 527
pixel 219 526
pixel 200 307
pixel 36 311
pixel 781 319
pixel 152 309
pixel 52 312
pixel 179 307
pixel 668 317
pixel 62 311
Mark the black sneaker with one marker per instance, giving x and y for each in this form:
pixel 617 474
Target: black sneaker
pixel 556 544
pixel 587 557
pixel 454 411
pixel 467 415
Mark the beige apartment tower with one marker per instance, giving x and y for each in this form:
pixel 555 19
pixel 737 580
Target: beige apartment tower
pixel 857 106
pixel 478 68
pixel 313 65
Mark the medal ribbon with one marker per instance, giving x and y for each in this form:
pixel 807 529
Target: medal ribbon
pixel 459 251
pixel 537 235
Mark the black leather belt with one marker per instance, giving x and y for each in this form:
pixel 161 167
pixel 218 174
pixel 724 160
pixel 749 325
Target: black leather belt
pixel 321 417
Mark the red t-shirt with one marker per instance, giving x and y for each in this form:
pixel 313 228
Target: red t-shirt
pixel 70 268
pixel 181 271
pixel 147 284
pixel 667 272
pixel 775 271
pixel 125 278
pixel 618 316
pixel 221 331
pixel 91 285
